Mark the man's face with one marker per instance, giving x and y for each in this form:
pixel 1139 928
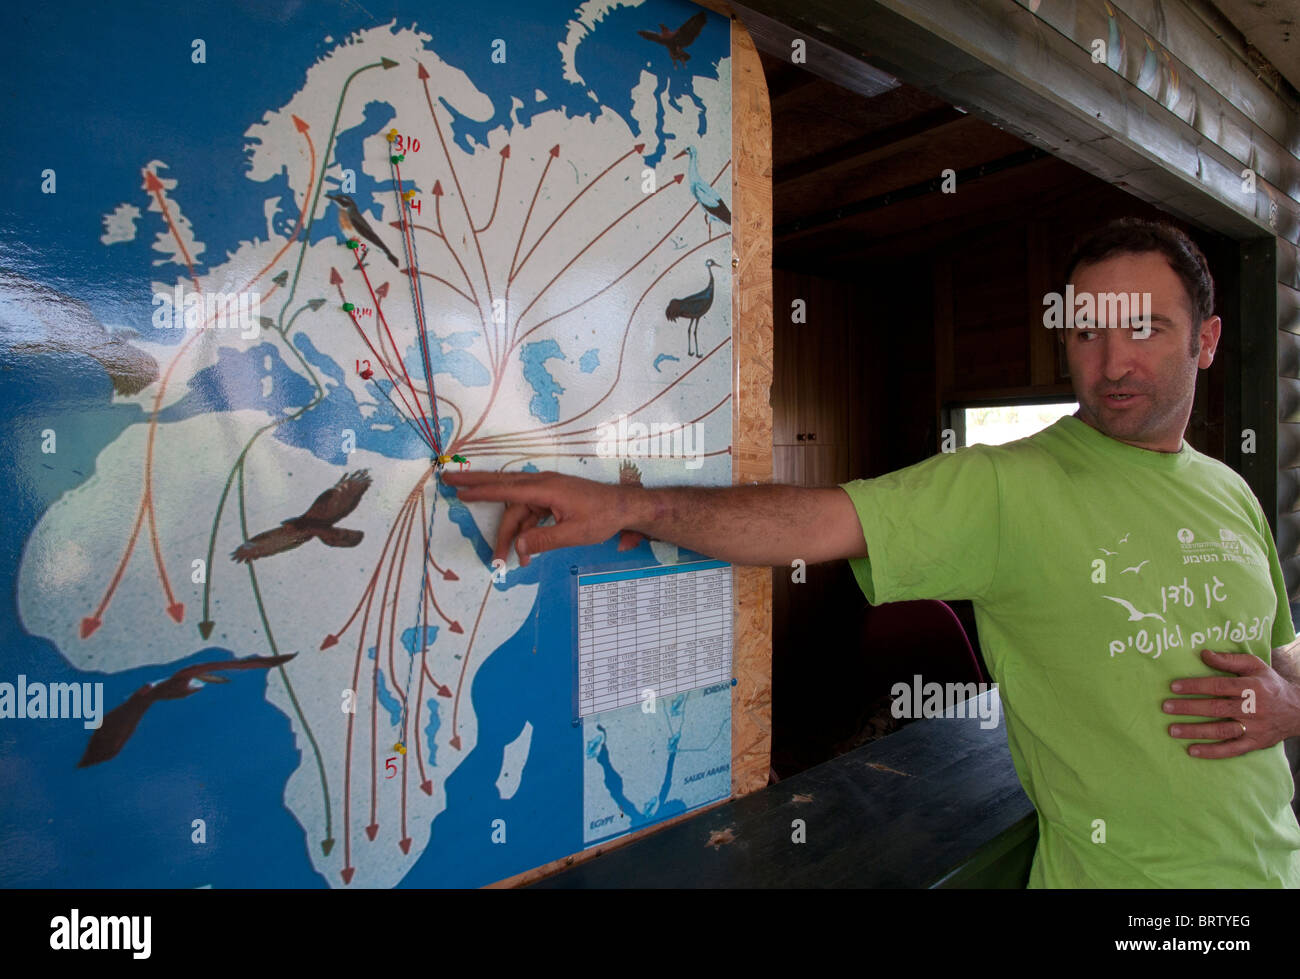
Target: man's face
pixel 1138 390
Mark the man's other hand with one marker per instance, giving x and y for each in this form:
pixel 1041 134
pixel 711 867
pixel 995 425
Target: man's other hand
pixel 1259 707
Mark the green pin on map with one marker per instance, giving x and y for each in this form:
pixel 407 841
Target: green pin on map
pixel 352 243
pixel 398 158
pixel 348 307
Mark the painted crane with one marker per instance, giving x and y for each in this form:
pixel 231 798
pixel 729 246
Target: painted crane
pixel 714 207
pixel 692 308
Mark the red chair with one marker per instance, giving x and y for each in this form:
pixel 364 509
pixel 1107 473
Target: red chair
pixel 898 641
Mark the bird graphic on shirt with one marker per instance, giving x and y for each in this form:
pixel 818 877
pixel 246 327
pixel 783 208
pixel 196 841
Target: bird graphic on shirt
pixel 1124 539
pixel 1136 569
pixel 1133 614
pixel 330 507
pixel 676 41
pixel 355 225
pixel 1107 553
pixel 120 722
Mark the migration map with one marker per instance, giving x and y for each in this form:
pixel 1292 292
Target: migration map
pixel 267 272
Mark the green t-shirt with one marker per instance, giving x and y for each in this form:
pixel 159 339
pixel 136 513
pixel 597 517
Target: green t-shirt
pixel 1098 572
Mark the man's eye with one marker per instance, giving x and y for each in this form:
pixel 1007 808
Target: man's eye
pixel 1086 334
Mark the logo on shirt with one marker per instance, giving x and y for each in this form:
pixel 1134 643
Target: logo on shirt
pixel 1229 547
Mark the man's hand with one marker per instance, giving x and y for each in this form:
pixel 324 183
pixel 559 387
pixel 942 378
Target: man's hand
pixel 1261 707
pixel 585 511
pixel 767 525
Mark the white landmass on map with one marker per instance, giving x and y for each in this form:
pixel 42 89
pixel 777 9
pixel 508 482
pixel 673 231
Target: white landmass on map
pixel 513 758
pixel 119 224
pixel 601 278
pixel 166 241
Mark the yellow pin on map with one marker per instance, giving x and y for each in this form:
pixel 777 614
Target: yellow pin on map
pixel 407 195
pixel 400 748
pixel 392 135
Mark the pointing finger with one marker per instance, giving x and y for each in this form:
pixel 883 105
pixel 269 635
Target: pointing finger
pixel 506 492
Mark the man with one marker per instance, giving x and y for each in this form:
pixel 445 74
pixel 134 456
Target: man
pixel 1105 558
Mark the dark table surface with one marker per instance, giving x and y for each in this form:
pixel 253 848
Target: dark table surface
pixel 934 804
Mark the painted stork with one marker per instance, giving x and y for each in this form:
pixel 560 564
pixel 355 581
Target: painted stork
pixel 714 207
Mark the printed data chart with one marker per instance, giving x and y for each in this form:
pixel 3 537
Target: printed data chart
pixel 666 629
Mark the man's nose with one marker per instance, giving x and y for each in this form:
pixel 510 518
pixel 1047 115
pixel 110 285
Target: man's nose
pixel 1118 353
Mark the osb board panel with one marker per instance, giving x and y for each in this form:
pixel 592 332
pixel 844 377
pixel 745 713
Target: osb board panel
pixel 751 186
pixel 751 140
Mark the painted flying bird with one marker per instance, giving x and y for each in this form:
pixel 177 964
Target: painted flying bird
pixel 120 722
pixel 330 507
pixel 355 225
pixel 710 199
pixel 676 41
pixel 692 308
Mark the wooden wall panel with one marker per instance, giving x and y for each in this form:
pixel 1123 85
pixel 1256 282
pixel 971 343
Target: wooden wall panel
pixel 751 717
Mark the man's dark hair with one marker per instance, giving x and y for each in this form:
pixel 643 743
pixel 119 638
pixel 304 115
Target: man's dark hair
pixel 1135 235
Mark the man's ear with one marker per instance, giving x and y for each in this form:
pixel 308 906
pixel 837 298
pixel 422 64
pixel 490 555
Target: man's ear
pixel 1209 341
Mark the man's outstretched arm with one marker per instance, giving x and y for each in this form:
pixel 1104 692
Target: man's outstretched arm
pixel 767 525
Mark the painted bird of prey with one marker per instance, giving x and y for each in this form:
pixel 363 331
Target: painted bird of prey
pixel 692 307
pixel 354 224
pixel 330 507
pixel 715 209
pixel 120 722
pixel 676 41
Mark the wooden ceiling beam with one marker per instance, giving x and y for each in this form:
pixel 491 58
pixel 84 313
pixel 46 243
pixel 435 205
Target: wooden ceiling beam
pixel 862 150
